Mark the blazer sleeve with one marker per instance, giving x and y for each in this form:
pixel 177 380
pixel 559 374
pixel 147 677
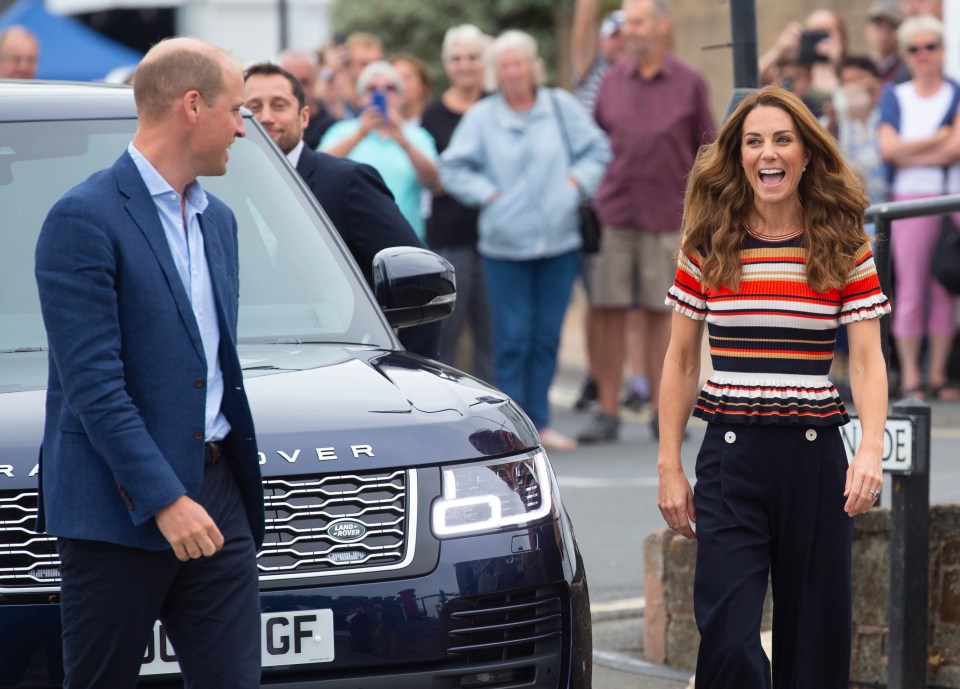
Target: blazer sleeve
pixel 374 221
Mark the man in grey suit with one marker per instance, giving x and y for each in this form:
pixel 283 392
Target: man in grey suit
pixel 149 471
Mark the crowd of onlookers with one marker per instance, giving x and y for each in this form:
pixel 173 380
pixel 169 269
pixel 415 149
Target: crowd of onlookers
pixel 895 115
pixel 490 172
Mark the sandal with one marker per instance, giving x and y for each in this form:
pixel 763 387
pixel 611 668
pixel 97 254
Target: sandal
pixel 945 392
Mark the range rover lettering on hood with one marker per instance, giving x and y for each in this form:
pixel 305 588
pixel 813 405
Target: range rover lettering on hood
pixel 324 454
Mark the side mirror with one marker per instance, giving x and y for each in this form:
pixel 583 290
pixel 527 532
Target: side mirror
pixel 413 285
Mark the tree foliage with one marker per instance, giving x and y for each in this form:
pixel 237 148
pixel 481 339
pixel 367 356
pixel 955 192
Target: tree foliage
pixel 417 26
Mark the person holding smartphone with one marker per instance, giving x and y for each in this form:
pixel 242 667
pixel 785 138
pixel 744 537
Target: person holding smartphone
pixel 404 154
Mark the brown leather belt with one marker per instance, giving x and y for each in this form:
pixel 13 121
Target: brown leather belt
pixel 212 452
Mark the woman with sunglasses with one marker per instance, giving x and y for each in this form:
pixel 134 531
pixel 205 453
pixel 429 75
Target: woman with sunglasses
pixel 918 137
pixel 404 154
pixel 452 226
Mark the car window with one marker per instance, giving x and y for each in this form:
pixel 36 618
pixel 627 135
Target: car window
pixel 297 282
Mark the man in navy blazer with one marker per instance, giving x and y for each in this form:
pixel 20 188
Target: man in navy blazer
pixel 149 470
pixel 353 195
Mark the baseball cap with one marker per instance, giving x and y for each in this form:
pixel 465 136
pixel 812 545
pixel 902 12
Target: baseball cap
pixel 612 23
pixel 887 10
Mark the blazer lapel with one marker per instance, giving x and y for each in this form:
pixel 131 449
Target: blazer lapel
pixel 143 212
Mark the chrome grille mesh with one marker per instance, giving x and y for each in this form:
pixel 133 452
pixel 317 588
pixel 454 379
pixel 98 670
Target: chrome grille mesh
pixel 313 528
pixel 27 559
pixel 321 526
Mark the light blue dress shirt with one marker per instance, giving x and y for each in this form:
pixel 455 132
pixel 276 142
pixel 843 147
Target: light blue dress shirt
pixel 191 261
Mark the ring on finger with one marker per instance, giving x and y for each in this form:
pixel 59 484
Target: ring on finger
pixel 875 494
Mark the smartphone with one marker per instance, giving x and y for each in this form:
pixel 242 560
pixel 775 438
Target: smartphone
pixel 808 47
pixel 378 99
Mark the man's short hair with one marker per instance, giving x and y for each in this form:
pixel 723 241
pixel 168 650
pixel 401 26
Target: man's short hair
pixel 269 69
pixel 362 38
pixel 18 29
pixel 862 62
pixel 164 75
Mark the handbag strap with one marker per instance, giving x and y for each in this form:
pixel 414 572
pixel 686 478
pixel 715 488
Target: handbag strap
pixel 563 128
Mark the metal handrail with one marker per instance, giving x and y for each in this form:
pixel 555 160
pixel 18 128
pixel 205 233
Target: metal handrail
pixel 883 214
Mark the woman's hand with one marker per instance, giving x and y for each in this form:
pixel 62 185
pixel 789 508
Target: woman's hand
pixel 864 480
pixel 675 500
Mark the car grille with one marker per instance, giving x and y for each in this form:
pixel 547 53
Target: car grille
pixel 314 527
pixel 334 524
pixel 505 626
pixel 27 560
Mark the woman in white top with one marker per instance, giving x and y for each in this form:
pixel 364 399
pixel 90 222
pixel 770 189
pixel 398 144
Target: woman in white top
pixel 919 137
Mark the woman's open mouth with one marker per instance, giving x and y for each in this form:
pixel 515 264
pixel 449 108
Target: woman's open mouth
pixel 771 176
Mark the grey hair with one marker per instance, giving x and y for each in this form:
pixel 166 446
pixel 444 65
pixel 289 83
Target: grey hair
pixel 378 68
pixel 921 23
pixel 660 7
pixel 466 35
pixel 298 53
pixel 513 39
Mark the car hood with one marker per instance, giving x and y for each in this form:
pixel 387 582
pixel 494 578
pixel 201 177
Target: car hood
pixel 330 408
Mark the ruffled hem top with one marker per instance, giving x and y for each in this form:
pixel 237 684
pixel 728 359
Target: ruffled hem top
pixel 772 340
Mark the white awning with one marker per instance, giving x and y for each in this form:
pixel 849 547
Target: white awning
pixel 81 6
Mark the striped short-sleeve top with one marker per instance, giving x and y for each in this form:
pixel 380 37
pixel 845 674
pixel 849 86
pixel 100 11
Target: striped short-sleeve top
pixel 772 340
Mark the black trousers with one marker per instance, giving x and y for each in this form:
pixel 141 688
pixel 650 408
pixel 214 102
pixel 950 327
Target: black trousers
pixel 769 500
pixel 112 595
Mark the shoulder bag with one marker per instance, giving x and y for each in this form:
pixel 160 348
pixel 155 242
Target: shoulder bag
pixel 587 217
pixel 946 255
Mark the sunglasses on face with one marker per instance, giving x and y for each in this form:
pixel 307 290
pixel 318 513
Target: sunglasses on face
pixel 389 87
pixel 925 47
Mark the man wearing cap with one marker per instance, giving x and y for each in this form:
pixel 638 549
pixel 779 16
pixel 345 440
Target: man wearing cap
pixel 883 18
pixel 594 51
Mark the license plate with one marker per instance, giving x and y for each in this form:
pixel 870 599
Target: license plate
pixel 286 638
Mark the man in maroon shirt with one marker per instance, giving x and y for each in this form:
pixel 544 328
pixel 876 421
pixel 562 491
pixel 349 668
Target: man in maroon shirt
pixel 655 110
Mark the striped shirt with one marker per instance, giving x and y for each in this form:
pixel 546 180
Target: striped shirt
pixel 772 340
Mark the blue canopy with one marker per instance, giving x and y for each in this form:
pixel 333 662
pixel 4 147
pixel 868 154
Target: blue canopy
pixel 68 48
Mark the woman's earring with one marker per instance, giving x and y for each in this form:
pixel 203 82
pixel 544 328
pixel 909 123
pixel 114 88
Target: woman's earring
pixel 803 169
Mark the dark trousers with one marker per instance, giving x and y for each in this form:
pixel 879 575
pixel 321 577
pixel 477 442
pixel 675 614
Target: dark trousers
pixel 769 500
pixel 111 596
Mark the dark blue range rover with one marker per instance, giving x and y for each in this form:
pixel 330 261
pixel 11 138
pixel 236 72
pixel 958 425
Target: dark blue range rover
pixel 415 534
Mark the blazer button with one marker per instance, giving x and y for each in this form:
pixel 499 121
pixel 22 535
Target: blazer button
pixel 198 435
pixel 199 383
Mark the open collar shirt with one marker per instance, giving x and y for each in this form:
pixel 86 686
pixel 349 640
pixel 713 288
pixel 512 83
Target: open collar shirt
pixel 186 247
pixel 655 127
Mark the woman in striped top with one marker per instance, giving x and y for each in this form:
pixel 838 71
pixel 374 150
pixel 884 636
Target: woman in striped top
pixel 774 258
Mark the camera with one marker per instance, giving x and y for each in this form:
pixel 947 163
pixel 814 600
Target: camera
pixel 808 47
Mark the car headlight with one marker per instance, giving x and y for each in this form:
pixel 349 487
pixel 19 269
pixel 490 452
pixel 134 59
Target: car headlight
pixel 495 494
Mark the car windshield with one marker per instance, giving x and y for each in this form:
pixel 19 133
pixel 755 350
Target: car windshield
pixel 297 282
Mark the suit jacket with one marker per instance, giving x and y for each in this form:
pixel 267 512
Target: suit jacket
pixel 361 207
pixel 124 429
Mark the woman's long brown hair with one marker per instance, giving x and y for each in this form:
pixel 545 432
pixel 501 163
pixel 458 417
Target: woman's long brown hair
pixel 719 199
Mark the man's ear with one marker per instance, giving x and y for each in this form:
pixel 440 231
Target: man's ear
pixel 190 103
pixel 304 116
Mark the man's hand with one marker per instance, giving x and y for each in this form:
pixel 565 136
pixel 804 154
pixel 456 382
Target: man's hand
pixel 189 529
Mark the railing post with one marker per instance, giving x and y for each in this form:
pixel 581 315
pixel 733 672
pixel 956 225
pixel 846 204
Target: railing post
pixel 909 557
pixel 881 255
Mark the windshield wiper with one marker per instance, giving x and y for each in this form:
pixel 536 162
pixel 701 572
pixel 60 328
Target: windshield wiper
pixel 22 350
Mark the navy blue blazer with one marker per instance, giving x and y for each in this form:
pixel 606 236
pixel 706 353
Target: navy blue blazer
pixel 368 219
pixel 124 430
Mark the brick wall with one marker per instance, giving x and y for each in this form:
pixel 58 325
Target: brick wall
pixel 670 635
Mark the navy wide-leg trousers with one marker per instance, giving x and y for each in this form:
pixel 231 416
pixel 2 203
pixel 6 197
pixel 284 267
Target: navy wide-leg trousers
pixel 769 500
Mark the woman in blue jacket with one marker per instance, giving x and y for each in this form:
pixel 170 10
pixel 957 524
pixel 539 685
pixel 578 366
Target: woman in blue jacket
pixel 526 155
